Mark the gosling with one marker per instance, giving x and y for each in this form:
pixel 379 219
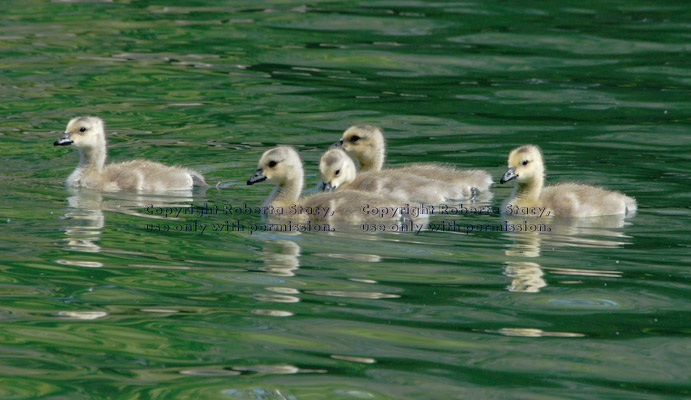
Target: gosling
pixel 282 166
pixel 567 199
pixel 338 172
pixel 366 144
pixel 88 135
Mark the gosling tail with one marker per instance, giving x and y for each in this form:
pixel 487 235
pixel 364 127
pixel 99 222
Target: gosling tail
pixel 631 205
pixel 198 179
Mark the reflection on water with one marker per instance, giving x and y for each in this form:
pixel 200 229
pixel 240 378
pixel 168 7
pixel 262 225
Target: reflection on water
pixel 276 298
pixel 85 315
pixel 355 257
pixel 598 232
pixel 525 276
pixel 209 372
pixel 86 218
pixel 258 394
pixel 272 313
pixel 281 256
pixel 532 332
pixel 363 360
pixel 280 369
pixel 355 295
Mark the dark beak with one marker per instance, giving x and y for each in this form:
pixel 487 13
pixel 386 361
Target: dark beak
pixel 337 145
pixel 508 175
pixel 64 140
pixel 257 176
pixel 326 187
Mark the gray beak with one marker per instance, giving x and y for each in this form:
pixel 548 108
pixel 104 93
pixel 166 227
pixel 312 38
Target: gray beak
pixel 326 187
pixel 508 175
pixel 64 140
pixel 257 176
pixel 337 145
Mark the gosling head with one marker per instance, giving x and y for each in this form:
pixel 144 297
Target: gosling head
pixel 83 132
pixel 336 169
pixel 277 165
pixel 525 164
pixel 366 143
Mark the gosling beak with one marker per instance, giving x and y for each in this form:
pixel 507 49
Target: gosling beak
pixel 337 145
pixel 508 175
pixel 327 187
pixel 257 176
pixel 64 140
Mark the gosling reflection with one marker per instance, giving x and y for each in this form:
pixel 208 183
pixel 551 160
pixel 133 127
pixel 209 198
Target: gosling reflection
pixel 525 276
pixel 600 232
pixel 528 276
pixel 86 219
pixel 281 257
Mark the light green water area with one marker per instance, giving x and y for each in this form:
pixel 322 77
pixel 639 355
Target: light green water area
pixel 96 302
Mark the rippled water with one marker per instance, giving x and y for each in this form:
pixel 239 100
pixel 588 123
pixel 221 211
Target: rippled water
pixel 97 302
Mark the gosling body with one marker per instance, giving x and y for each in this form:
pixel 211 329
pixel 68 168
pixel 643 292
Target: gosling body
pixel 576 200
pixel 88 135
pixel 282 166
pixel 338 172
pixel 366 144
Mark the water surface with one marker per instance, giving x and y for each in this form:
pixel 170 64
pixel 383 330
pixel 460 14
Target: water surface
pixel 97 305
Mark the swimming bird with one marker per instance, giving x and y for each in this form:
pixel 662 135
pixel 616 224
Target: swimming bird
pixel 338 172
pixel 366 144
pixel 526 166
pixel 282 165
pixel 88 135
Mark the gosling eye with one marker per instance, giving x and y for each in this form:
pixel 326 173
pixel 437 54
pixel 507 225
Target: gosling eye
pixel 272 163
pixel 355 138
pixel 525 162
pixel 82 129
pixel 338 171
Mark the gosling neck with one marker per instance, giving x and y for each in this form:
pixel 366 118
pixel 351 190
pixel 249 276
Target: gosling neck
pixel 529 191
pixel 287 192
pixel 92 158
pixel 375 160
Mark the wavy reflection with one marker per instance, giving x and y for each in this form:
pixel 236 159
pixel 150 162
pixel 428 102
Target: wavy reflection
pixel 272 313
pixel 525 276
pixel 257 394
pixel 276 298
pixel 209 372
pixel 355 295
pixel 354 257
pixel 598 232
pixel 281 257
pixel 528 276
pixel 86 219
pixel 532 332
pixel 362 360
pixel 84 315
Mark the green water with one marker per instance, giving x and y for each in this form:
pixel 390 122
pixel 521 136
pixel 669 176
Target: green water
pixel 95 306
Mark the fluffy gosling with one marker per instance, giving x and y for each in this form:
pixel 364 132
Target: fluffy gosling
pixel 88 135
pixel 567 199
pixel 366 144
pixel 338 172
